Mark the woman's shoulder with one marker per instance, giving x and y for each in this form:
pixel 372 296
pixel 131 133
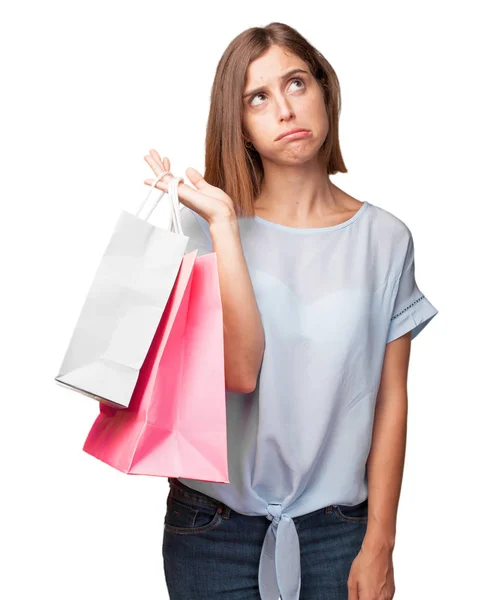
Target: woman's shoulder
pixel 388 224
pixel 383 220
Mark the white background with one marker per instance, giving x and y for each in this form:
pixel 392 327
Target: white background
pixel 88 88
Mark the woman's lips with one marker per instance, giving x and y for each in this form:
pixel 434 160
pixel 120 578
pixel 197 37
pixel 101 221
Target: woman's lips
pixel 296 135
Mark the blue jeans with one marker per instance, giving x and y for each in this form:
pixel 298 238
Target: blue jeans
pixel 211 552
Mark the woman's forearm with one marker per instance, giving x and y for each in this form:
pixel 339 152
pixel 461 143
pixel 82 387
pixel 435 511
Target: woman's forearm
pixel 244 338
pixel 385 467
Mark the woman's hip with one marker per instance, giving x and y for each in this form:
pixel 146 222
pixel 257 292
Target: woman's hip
pixel 210 550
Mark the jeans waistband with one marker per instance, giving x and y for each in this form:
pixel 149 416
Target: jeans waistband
pixel 178 490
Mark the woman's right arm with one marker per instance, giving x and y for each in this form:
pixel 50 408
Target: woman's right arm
pixel 244 338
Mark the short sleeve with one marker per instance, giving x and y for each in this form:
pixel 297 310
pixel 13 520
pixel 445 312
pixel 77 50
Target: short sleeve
pixel 412 310
pixel 198 231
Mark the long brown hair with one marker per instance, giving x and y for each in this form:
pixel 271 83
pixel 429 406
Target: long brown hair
pixel 229 164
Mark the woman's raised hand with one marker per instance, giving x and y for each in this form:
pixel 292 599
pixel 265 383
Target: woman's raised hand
pixel 208 201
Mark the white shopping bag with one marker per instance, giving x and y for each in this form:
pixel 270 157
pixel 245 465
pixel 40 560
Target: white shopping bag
pixel 125 303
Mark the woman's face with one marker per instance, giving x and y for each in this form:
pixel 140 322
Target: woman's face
pixel 286 102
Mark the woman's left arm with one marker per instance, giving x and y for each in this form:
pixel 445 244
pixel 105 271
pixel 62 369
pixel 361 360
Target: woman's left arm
pixel 385 465
pixel 372 570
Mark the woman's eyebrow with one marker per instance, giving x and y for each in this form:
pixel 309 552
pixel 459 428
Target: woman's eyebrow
pixel 284 76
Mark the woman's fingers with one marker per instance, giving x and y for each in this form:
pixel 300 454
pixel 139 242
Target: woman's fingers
pixel 158 166
pixel 200 182
pixel 204 199
pixel 161 185
pixel 163 162
pixel 190 197
pixel 156 163
pixel 153 164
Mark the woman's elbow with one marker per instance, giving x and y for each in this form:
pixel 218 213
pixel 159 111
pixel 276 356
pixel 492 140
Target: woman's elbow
pixel 241 386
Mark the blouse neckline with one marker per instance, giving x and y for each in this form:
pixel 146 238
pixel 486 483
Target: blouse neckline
pixel 296 230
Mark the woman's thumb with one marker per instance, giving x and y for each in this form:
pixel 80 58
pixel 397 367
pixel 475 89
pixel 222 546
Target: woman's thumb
pixel 196 178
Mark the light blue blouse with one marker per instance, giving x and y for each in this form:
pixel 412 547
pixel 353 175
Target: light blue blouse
pixel 330 300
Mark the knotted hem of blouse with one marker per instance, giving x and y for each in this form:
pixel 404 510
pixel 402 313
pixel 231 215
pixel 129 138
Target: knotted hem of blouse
pixel 280 564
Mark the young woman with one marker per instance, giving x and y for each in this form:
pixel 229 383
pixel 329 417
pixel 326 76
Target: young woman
pixel 320 306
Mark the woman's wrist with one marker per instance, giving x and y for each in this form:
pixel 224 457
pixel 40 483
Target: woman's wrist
pixel 227 219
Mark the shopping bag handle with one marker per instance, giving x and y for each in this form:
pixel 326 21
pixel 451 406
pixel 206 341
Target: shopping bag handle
pixel 174 201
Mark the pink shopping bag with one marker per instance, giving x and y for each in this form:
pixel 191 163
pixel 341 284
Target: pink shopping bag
pixel 175 425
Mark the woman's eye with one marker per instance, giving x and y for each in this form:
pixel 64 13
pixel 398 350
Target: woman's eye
pixel 261 93
pixel 254 98
pixel 299 80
